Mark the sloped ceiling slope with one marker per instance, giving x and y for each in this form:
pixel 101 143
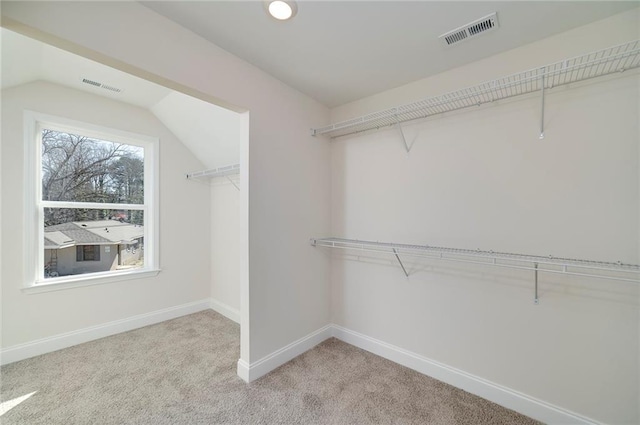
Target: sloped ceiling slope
pixel 341 51
pixel 209 131
pixel 212 133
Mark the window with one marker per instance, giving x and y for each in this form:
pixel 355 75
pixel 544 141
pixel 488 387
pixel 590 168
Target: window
pixel 88 253
pixel 91 200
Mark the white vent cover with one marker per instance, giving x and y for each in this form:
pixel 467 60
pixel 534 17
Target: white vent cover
pixel 103 86
pixel 477 27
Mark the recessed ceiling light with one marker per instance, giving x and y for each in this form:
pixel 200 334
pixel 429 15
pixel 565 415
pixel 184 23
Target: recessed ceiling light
pixel 281 9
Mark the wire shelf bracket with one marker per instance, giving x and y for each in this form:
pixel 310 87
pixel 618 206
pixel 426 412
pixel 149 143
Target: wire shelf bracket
pixel 233 183
pixel 542 105
pixel 395 252
pixel 591 65
pixel 538 264
pixel 404 140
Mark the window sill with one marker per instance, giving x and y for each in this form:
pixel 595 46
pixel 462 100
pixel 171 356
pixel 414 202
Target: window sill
pixel 69 282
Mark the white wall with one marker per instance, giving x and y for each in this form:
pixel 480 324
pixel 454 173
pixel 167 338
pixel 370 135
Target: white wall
pixel 185 275
pixel 210 132
pixel 285 180
pixel 213 133
pixel 225 243
pixel 474 179
pixel 480 178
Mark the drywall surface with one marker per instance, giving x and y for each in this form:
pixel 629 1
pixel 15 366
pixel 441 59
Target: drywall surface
pixel 481 179
pixel 285 180
pixel 212 133
pixel 225 242
pixel 185 273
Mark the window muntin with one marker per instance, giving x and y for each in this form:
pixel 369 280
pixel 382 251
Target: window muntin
pixel 95 179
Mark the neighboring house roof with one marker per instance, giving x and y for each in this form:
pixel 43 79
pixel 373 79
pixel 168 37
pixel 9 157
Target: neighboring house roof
pixel 56 240
pixel 99 232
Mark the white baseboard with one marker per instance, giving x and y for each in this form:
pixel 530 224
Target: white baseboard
pixel 57 342
pixel 253 371
pixel 227 311
pixel 243 370
pixel 521 403
pixel 496 393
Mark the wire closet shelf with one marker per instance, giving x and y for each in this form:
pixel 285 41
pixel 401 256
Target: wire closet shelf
pixel 568 266
pixel 227 170
pixel 596 64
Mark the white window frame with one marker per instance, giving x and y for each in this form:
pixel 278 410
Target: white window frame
pixel 34 281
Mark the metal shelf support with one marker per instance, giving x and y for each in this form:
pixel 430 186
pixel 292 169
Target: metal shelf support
pixel 395 252
pixel 404 140
pixel 233 183
pixel 591 65
pixel 535 299
pixel 542 105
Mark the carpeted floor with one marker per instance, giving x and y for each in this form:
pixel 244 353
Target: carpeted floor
pixel 183 371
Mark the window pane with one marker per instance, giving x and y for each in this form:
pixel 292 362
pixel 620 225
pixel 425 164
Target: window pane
pixel 80 241
pixel 88 253
pixel 82 169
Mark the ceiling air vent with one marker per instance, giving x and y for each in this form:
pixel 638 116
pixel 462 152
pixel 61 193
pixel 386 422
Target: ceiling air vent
pixel 93 83
pixel 115 89
pixel 477 27
pixel 103 86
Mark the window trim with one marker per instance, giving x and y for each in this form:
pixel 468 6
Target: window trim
pixel 34 205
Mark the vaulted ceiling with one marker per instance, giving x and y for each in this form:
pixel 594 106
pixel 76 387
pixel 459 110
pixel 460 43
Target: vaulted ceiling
pixel 334 51
pixel 341 51
pixel 210 132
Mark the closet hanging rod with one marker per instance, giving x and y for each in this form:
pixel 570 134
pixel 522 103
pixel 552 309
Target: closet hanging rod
pixel 537 263
pixel 596 64
pixel 227 170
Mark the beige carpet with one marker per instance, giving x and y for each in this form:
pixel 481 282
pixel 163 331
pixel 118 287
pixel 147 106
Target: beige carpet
pixel 183 371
